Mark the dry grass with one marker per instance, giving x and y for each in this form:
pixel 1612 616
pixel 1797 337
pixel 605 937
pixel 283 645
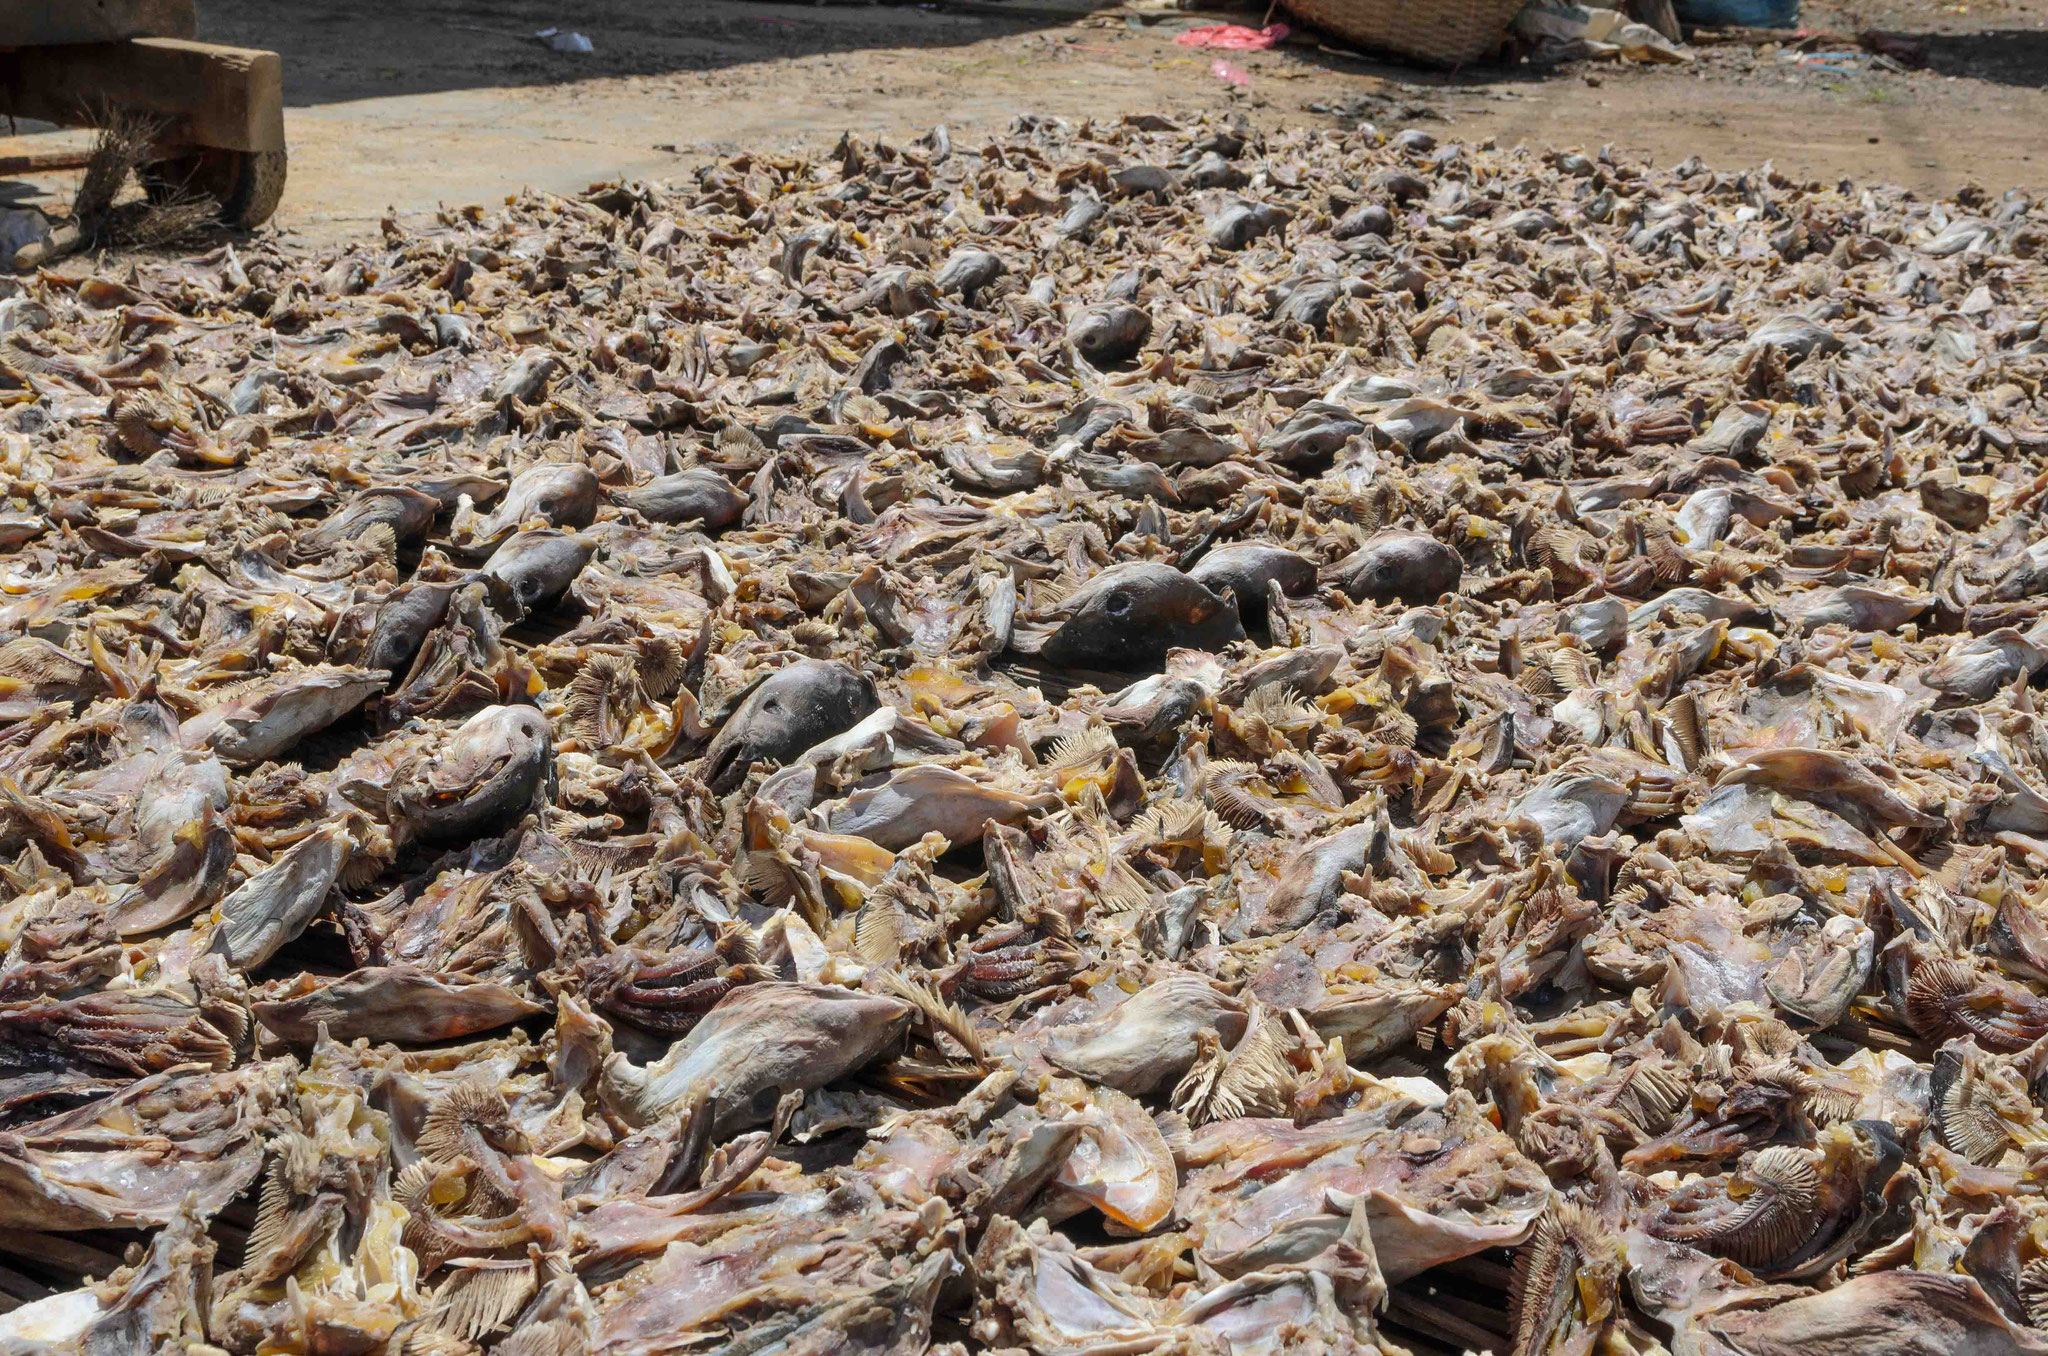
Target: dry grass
pixel 126 140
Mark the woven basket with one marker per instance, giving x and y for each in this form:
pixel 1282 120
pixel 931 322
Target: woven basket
pixel 1446 32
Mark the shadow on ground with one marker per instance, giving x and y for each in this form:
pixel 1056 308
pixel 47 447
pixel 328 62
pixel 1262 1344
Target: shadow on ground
pixel 332 53
pixel 2014 56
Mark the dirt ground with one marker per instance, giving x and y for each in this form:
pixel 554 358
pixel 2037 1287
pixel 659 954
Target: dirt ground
pixel 399 108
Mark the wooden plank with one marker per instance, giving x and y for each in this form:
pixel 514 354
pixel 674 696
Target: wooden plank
pixel 1434 1321
pixel 229 97
pixel 39 162
pixel 1487 1273
pixel 44 23
pixel 59 1253
pixel 24 1288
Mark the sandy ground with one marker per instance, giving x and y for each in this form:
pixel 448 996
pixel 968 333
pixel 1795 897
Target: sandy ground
pixel 400 108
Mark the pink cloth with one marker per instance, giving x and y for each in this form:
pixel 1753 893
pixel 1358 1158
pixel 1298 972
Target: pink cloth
pixel 1223 70
pixel 1234 37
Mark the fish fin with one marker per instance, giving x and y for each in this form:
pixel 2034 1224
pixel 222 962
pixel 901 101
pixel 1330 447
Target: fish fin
pixel 273 1209
pixel 478 1299
pixel 661 663
pixel 1259 1077
pixel 1668 562
pixel 1683 712
pixel 878 931
pixel 764 873
pixel 943 1016
pixel 468 1103
pixel 1072 752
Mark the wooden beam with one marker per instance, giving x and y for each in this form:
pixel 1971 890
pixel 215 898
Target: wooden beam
pixel 44 23
pixel 38 162
pixel 59 1253
pixel 24 1288
pixel 209 95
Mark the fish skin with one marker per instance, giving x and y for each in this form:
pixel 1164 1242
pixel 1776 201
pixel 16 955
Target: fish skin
pixel 760 1041
pixel 266 723
pixel 393 1002
pixel 274 905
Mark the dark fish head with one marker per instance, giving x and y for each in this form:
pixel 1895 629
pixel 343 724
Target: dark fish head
pixel 448 488
pixel 1109 332
pixel 409 512
pixel 968 271
pixel 1407 567
pixel 403 623
pixel 698 495
pixel 1245 568
pixel 791 710
pixel 564 495
pixel 539 564
pixel 1129 616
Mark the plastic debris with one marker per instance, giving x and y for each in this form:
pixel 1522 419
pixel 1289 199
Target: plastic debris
pixel 1575 32
pixel 558 40
pixel 1234 37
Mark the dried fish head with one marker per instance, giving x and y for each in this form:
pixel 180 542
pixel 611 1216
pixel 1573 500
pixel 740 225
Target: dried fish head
pixel 1109 333
pixel 790 711
pixel 557 494
pixel 698 495
pixel 1129 616
pixel 276 713
pixel 1406 567
pixel 1148 1041
pixel 493 766
pixel 536 565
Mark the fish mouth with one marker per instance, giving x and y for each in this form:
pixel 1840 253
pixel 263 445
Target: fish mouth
pixel 725 768
pixel 1202 609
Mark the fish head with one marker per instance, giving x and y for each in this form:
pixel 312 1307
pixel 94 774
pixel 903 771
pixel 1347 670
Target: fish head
pixel 564 495
pixel 402 624
pixel 787 713
pixel 1129 616
pixel 1408 567
pixel 490 771
pixel 537 565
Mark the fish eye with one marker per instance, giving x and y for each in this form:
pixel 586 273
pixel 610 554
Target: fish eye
pixel 1118 603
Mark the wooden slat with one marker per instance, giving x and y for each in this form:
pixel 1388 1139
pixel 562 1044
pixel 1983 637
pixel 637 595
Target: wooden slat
pixel 22 1287
pixel 1488 1318
pixel 1417 1343
pixel 1480 1269
pixel 39 162
pixel 1435 1321
pixel 227 97
pixel 56 1252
